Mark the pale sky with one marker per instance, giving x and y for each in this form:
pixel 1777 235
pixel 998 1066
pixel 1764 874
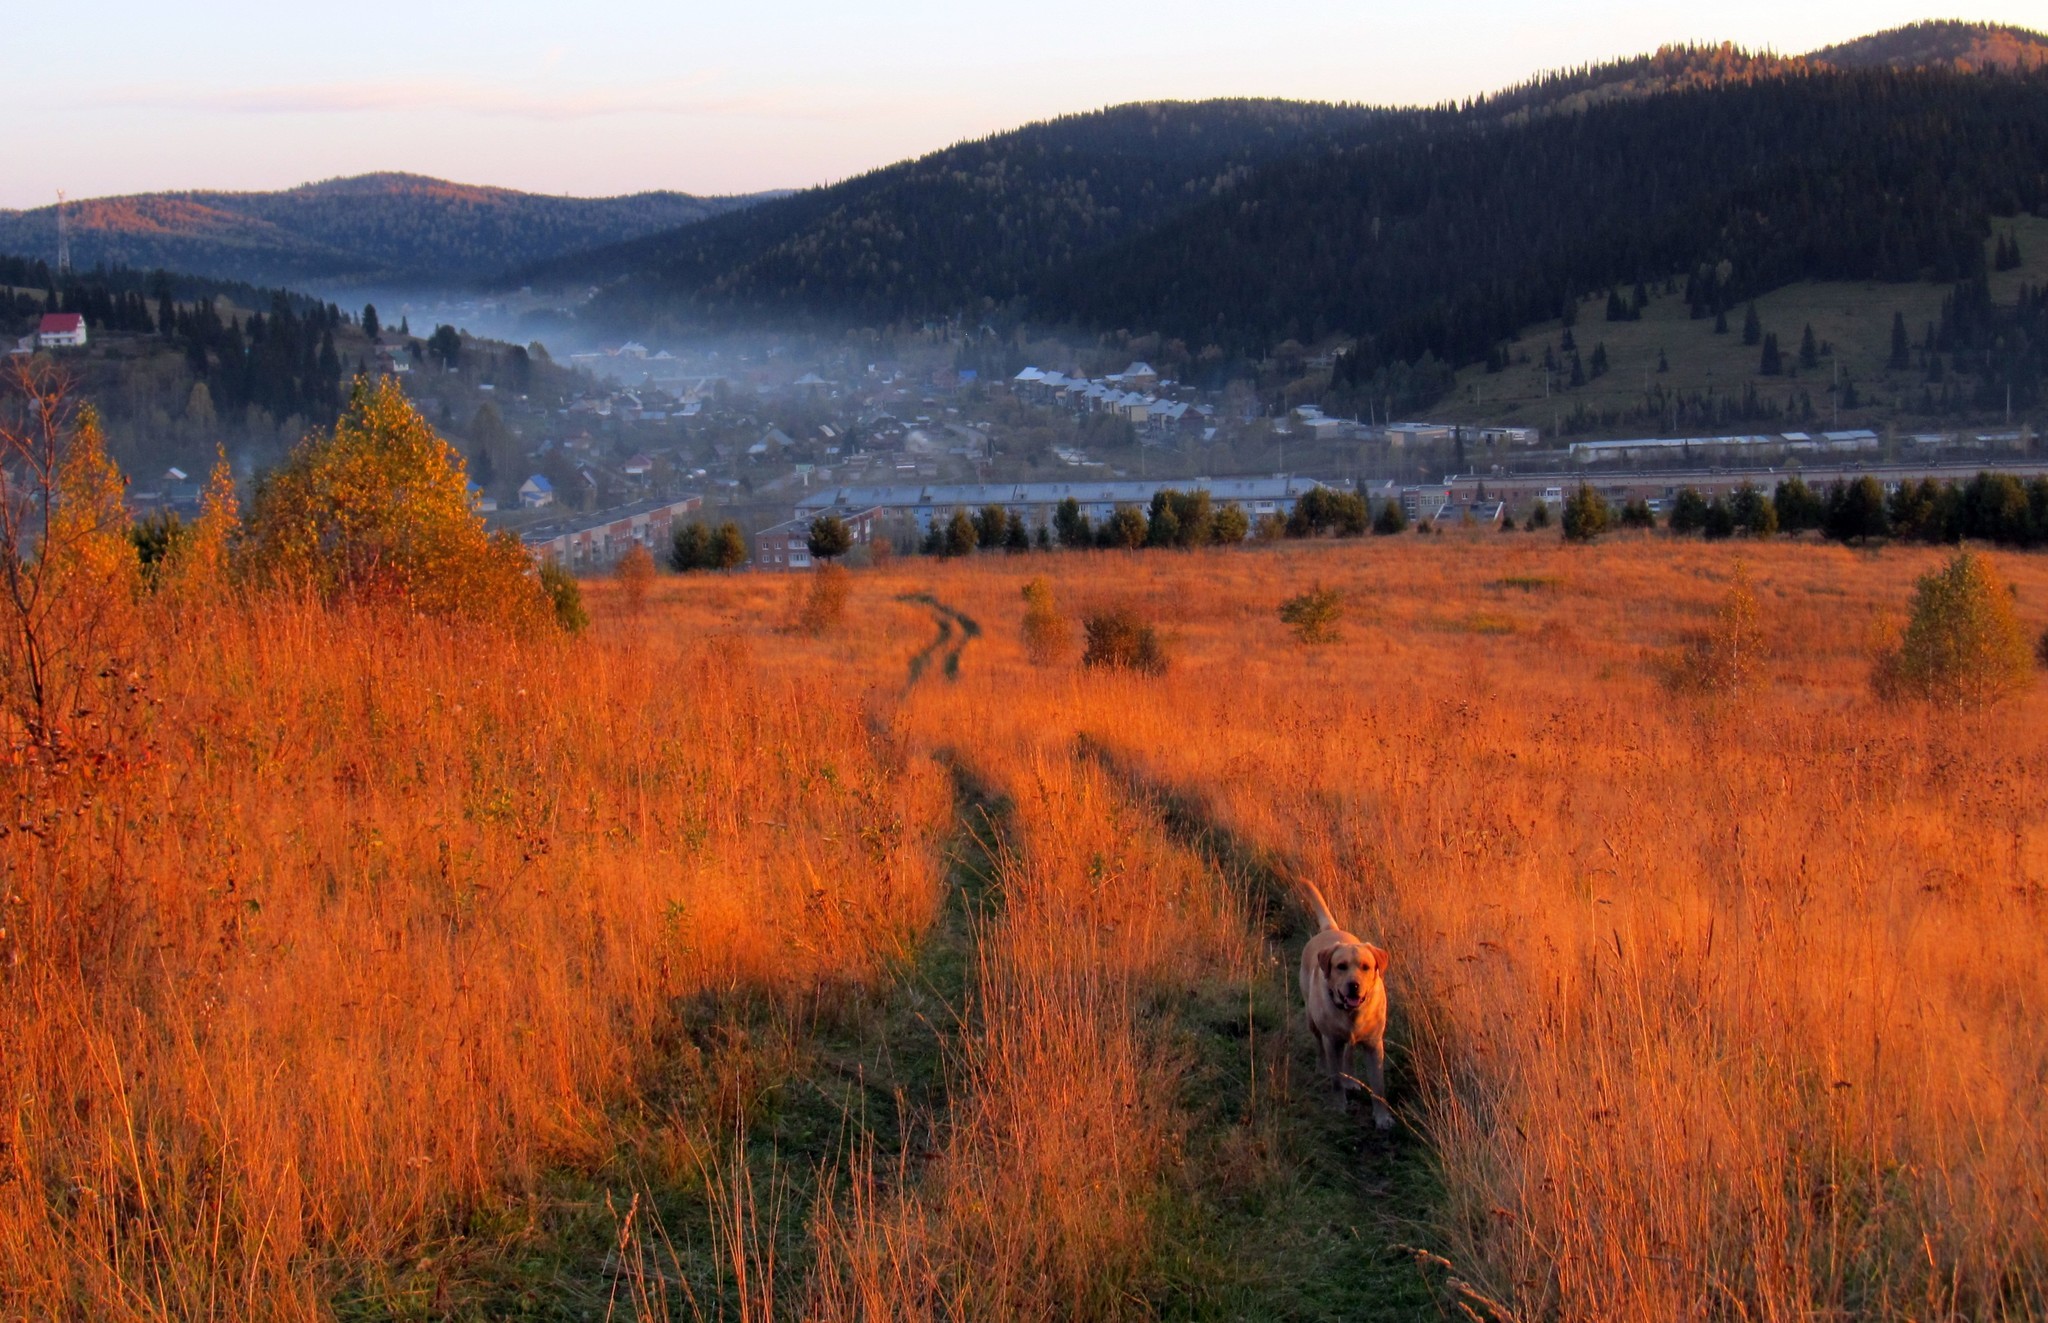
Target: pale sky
pixel 613 97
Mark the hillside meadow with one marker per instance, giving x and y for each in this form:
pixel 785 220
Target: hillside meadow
pixel 724 963
pixel 1853 317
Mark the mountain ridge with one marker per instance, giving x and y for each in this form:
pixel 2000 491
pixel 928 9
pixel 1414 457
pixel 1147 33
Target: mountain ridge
pixel 915 240
pixel 387 226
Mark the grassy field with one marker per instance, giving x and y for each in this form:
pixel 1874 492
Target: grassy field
pixel 1854 317
pixel 706 967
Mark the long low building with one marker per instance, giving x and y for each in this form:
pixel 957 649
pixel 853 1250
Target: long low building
pixel 787 545
pixel 596 541
pixel 1035 502
pixel 1849 442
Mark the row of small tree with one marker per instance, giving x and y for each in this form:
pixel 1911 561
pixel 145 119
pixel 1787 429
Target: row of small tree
pixel 1173 519
pixel 699 546
pixel 1990 507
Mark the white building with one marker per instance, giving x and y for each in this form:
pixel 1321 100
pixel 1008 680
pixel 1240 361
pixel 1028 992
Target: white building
pixel 536 493
pixel 61 330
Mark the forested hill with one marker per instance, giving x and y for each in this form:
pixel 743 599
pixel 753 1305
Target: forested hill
pixel 1963 47
pixel 1944 45
pixel 980 221
pixel 371 228
pixel 1232 222
pixel 1442 245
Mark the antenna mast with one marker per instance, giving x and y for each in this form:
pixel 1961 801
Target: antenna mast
pixel 63 237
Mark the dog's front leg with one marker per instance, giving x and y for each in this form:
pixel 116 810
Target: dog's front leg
pixel 1376 1081
pixel 1340 1072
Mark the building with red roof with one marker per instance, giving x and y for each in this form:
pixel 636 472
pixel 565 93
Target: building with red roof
pixel 61 330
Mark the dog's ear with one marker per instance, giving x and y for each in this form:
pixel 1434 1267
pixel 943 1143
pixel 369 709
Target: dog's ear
pixel 1323 959
pixel 1380 958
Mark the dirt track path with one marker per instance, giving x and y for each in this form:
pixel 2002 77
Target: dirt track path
pixel 1327 1237
pixel 956 631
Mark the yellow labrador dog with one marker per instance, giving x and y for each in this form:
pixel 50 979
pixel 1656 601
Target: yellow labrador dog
pixel 1343 986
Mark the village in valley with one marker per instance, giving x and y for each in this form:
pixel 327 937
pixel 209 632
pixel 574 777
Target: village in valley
pixel 586 455
pixel 893 447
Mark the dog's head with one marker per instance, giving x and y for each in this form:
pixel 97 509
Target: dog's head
pixel 1349 971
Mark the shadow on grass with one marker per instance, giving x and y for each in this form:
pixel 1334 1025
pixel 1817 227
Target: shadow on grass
pixel 746 1089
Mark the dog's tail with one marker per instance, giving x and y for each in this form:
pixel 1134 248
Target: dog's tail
pixel 1320 908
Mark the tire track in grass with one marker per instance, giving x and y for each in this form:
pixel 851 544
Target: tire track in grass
pixel 1293 1209
pixel 812 1081
pixel 956 630
pixel 879 1079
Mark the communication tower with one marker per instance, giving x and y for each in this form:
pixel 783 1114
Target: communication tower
pixel 63 237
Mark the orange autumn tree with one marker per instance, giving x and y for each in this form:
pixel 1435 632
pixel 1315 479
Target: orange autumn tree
pixel 378 509
pixel 68 574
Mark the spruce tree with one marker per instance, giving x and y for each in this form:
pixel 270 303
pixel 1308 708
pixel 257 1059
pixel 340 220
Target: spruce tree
pixel 1902 353
pixel 1752 327
pixel 1772 363
pixel 828 537
pixel 1809 349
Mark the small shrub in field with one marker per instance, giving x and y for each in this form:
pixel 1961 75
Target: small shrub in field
pixel 1120 639
pixel 1727 657
pixel 1391 519
pixel 565 596
pixel 1585 514
pixel 636 576
pixel 1963 645
pixel 1270 528
pixel 1314 615
pixel 379 507
pixel 1636 514
pixel 1539 517
pixel 825 603
pixel 1231 526
pixel 1048 638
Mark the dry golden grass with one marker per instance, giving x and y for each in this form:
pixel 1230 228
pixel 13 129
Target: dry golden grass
pixel 387 921
pixel 1710 1010
pixel 1721 1008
